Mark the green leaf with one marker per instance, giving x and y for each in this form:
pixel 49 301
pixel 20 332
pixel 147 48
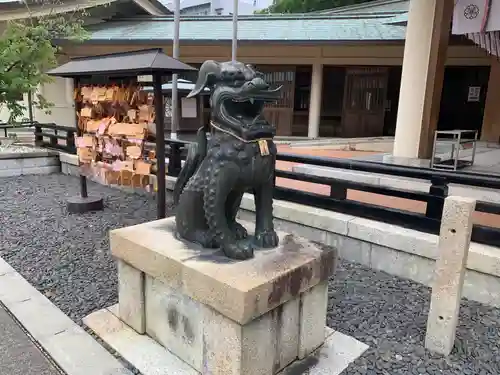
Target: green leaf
pixel 27 52
pixel 306 6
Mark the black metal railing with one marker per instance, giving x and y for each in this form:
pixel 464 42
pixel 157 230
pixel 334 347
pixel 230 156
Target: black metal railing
pixel 5 127
pixel 337 200
pixel 55 137
pixel 176 151
pixel 62 138
pixel 429 221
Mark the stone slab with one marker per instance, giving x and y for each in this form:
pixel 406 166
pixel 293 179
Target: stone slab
pixel 145 354
pixel 240 290
pixel 68 345
pixel 28 155
pixel 66 158
pixel 338 351
pixel 150 358
pixel 175 321
pixel 204 338
pixel 131 296
pixel 313 305
pixel 18 354
pixel 14 172
pixel 26 163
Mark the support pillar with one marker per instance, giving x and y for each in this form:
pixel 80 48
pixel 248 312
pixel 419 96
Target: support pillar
pixel 490 131
pixel 315 101
pixel 427 36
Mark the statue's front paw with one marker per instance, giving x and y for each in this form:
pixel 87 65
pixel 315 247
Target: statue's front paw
pixel 266 239
pixel 206 239
pixel 239 231
pixel 239 250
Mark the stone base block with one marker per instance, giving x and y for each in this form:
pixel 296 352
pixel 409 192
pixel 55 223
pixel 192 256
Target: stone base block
pixel 206 339
pixel 28 163
pixel 150 358
pixel 220 316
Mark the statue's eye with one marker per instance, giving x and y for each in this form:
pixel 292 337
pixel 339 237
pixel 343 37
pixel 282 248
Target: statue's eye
pixel 228 75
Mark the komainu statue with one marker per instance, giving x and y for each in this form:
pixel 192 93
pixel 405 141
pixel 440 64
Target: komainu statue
pixel 240 156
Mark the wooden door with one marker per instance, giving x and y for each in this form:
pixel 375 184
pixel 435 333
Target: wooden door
pixel 280 114
pixel 364 102
pixel 458 109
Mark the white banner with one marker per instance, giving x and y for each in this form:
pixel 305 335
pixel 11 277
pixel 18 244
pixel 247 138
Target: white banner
pixel 470 15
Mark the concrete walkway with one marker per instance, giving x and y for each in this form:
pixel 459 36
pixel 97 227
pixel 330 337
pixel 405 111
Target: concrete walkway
pixel 18 354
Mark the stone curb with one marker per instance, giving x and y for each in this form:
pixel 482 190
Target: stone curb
pixel 151 358
pixel 66 343
pixel 28 155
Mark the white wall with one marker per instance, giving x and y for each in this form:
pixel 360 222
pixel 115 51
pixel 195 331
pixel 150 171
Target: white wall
pixel 60 94
pixel 5 114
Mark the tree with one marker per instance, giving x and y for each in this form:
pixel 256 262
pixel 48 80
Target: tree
pixel 306 6
pixel 27 52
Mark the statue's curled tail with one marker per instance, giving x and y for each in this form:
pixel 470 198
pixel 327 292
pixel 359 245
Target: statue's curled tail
pixel 196 153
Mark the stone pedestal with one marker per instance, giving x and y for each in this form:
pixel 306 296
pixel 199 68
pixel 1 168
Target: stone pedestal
pixel 220 316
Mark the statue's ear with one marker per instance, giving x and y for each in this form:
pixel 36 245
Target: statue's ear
pixel 209 74
pixel 255 72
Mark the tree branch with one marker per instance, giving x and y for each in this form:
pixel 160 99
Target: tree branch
pixel 12 66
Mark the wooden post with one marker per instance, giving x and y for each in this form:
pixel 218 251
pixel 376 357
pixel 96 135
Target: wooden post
pixel 160 147
pixel 454 241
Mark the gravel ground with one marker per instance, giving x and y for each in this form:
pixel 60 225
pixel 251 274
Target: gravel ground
pixel 390 315
pixel 67 258
pixel 6 147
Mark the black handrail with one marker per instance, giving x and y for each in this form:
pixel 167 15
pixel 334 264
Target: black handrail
pixel 53 143
pixel 338 200
pixel 23 124
pixel 472 179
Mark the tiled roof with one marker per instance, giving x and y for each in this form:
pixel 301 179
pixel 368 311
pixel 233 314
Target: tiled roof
pixel 401 19
pixel 305 28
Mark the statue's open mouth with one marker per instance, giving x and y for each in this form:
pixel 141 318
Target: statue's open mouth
pixel 249 107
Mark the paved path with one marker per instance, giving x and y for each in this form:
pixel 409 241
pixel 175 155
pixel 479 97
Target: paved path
pixel 18 354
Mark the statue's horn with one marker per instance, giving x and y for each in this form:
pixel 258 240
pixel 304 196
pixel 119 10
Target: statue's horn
pixel 208 74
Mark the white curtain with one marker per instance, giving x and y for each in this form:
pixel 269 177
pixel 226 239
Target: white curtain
pixel 474 16
pixel 480 21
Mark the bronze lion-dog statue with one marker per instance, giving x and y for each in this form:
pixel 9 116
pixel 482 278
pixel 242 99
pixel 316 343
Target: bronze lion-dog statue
pixel 239 157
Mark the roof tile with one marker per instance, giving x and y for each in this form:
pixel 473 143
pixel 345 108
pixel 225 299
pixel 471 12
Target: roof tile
pixel 252 28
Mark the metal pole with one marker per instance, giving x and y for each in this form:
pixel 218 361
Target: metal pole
pixel 160 147
pixel 175 97
pixel 30 106
pixel 234 45
pixel 79 133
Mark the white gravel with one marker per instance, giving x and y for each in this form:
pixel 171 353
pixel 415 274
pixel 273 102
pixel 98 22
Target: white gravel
pixel 15 148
